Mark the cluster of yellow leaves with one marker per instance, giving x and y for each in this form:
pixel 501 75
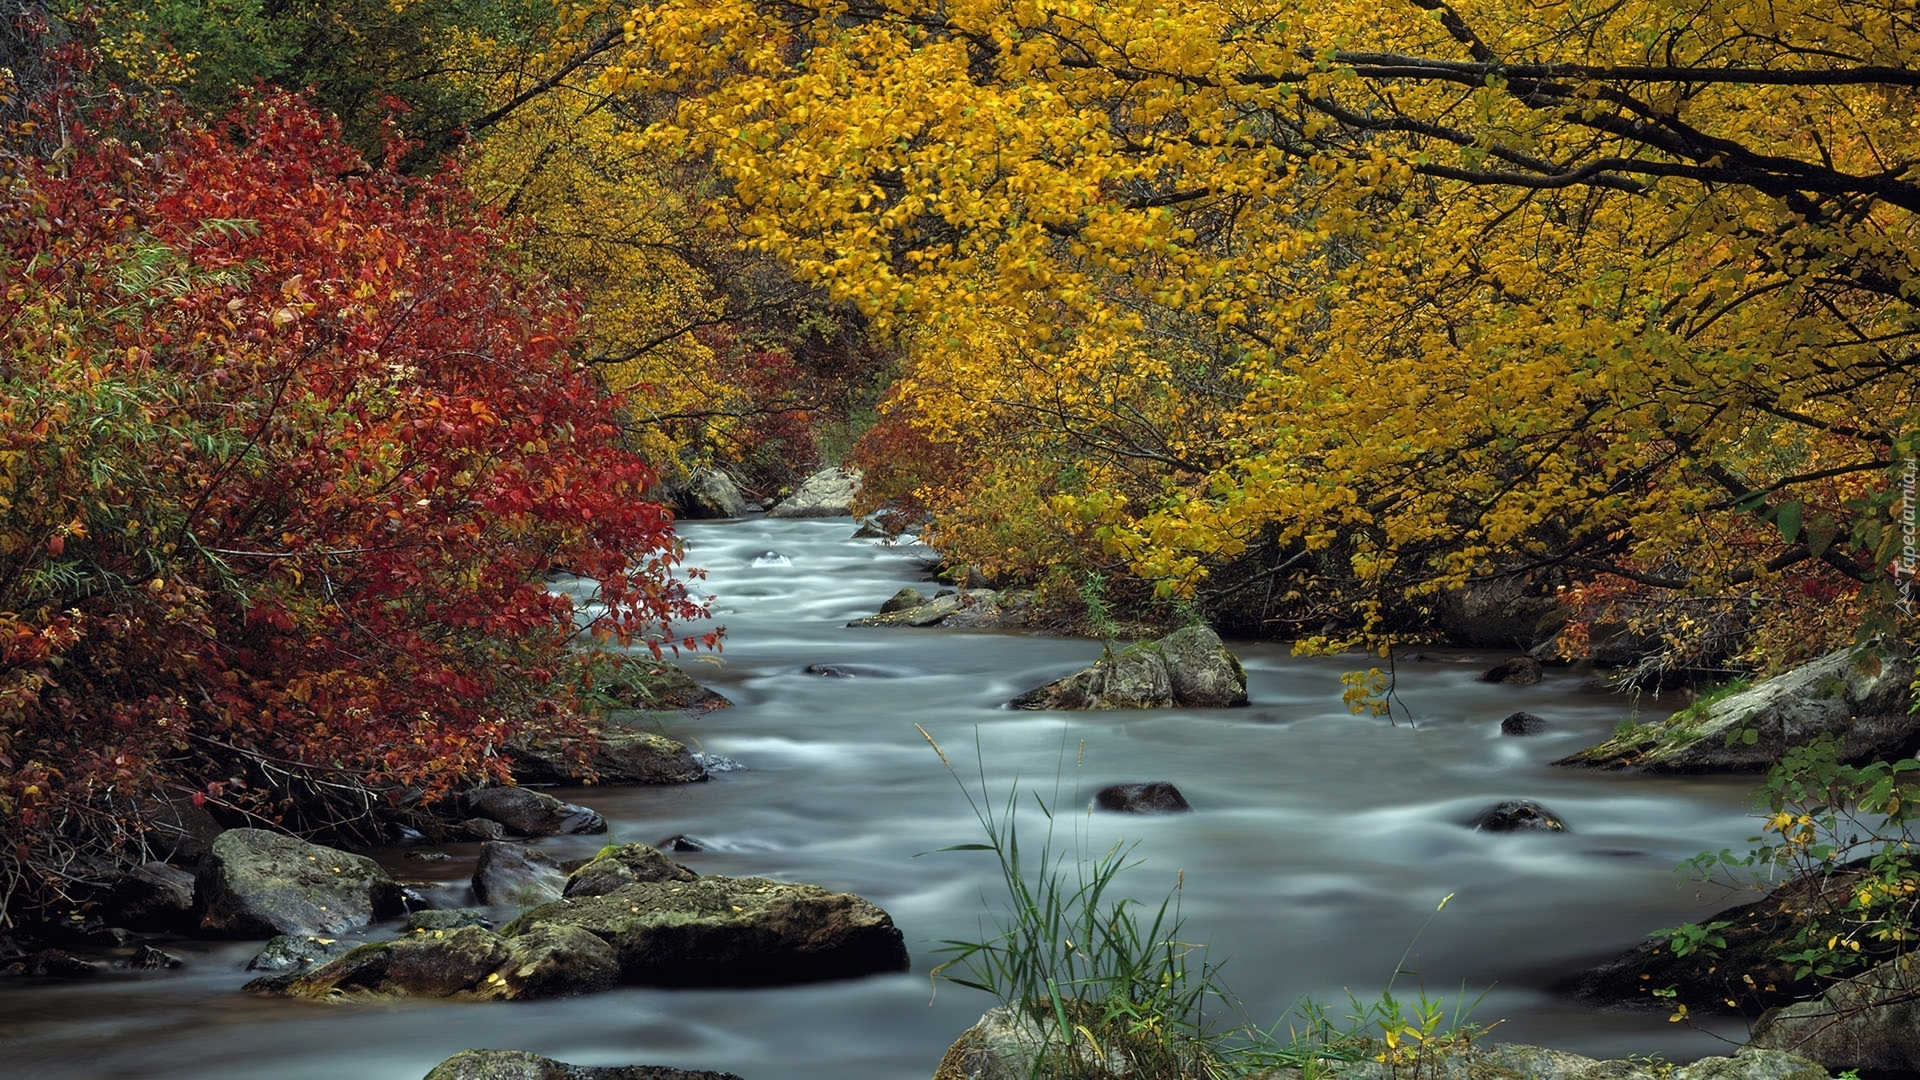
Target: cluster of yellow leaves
pixel 1427 290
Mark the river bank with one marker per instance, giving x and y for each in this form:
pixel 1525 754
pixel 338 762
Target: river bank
pixel 1319 844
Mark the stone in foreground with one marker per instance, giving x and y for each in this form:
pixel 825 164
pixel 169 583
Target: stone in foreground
pixel 255 883
pixel 718 931
pixel 1860 695
pixel 1190 668
pixel 1870 1023
pixel 521 1065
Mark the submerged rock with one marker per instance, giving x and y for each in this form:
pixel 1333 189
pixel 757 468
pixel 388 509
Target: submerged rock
pixel 531 813
pixel 1189 667
pixel 521 1065
pixel 1861 695
pixel 1152 797
pixel 1522 723
pixel 1517 815
pixel 1519 671
pixel 718 931
pixel 827 493
pixel 516 874
pixel 258 883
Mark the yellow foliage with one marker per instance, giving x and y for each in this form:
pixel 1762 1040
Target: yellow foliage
pixel 1422 291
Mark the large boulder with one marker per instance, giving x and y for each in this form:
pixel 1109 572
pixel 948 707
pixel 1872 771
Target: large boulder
pixel 1870 1023
pixel 516 874
pixel 711 493
pixel 531 813
pixel 827 493
pixel 1189 667
pixel 1860 695
pixel 255 883
pixel 609 756
pixel 717 931
pixel 627 864
pixel 521 1065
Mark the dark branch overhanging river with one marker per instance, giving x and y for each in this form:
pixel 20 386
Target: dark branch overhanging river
pixel 1319 844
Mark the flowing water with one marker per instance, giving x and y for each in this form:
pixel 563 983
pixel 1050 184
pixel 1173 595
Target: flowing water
pixel 1319 845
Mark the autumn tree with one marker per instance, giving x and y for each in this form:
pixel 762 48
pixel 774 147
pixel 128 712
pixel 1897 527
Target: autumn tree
pixel 1398 295
pixel 288 442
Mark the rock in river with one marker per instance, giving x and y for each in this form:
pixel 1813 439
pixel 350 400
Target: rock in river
pixel 1152 797
pixel 259 883
pixel 1189 667
pixel 1860 695
pixel 611 755
pixel 1519 671
pixel 1522 723
pixel 521 1065
pixel 827 493
pixel 531 813
pixel 718 931
pixel 614 867
pixel 516 874
pixel 1517 815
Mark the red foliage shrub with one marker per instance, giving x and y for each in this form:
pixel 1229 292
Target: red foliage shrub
pixel 286 446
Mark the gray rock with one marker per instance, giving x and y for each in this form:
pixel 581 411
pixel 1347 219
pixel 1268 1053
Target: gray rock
pixel 908 597
pixel 627 864
pixel 521 1065
pixel 611 755
pixel 976 609
pixel 1860 695
pixel 148 958
pixel 714 763
pixel 1752 1063
pixel 1189 667
pixel 556 961
pixel 258 883
pixel 297 954
pixel 531 813
pixel 481 829
pixel 1519 671
pixel 1870 1022
pixel 1007 1044
pixel 447 919
pixel 711 493
pixel 717 931
pixel 827 493
pixel 1152 797
pixel 1522 723
pixel 516 874
pixel 429 964
pixel 1517 815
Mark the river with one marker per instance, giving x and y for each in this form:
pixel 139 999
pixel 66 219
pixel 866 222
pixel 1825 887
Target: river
pixel 1320 844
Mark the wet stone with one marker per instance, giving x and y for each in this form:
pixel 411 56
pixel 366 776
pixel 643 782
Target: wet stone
pixel 1152 797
